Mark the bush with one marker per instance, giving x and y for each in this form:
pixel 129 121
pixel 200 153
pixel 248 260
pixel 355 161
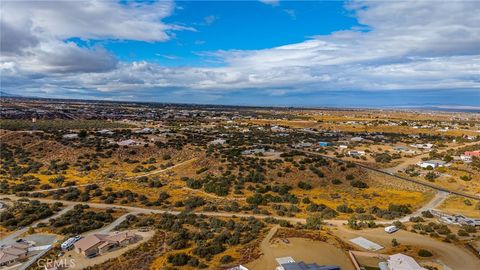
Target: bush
pixel 424 253
pixel 226 259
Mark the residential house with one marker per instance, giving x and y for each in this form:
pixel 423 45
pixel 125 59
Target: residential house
pixel 323 144
pixel 127 142
pixel 356 153
pixel 13 253
pixel 97 244
pixel 253 151
pixel 472 153
pixel 305 266
pixel 217 142
pixel 432 163
pixel 422 145
pixel 302 145
pixel 466 158
pixel 70 136
pixel 356 139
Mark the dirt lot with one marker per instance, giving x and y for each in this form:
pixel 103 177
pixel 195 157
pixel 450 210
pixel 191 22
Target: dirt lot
pixel 455 257
pixel 300 249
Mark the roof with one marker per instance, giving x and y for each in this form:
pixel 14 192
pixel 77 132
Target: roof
pixel 304 266
pixel 5 257
pixel 400 261
pixel 90 241
pixel 121 236
pixel 284 260
pixel 103 239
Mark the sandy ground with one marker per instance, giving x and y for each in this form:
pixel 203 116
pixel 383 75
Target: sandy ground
pixel 300 249
pixel 455 257
pixel 82 262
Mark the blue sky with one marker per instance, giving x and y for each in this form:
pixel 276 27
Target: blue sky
pixel 286 53
pixel 223 26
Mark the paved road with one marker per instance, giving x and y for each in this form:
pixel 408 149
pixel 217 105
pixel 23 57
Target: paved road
pixel 110 227
pixel 425 184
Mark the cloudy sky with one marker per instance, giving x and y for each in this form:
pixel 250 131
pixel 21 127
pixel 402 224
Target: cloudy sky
pixel 333 53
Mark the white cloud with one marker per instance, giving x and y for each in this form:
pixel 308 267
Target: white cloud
pixel 270 2
pixel 208 20
pixel 33 33
pixel 408 45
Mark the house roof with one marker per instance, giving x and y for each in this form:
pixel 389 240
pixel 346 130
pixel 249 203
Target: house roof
pixel 304 266
pixel 5 257
pixel 90 241
pixel 103 240
pixel 400 261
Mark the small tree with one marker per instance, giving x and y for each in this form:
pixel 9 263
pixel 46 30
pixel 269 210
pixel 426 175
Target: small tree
pixel 395 242
pixel 314 222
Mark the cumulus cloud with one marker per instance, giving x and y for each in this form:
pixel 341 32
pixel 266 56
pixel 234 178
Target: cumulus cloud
pixel 402 45
pixel 35 34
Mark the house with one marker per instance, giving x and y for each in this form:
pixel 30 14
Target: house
pixel 217 142
pixel 472 153
pixel 98 244
pixel 323 144
pixel 277 129
pixel 105 132
pixel 400 148
pixel 356 139
pixel 422 145
pixel 402 262
pixel 238 267
pixel 70 136
pixel 302 145
pixel 432 163
pixel 356 153
pixel 466 158
pixel 144 131
pixel 126 142
pixel 305 266
pixel 12 253
pixel 253 151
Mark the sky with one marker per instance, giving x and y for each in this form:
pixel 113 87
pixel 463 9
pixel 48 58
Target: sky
pixel 281 53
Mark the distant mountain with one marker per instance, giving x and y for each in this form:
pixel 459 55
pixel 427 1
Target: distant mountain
pixel 5 94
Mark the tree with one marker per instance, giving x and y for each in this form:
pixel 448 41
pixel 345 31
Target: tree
pixel 424 253
pixel 314 222
pixel 395 242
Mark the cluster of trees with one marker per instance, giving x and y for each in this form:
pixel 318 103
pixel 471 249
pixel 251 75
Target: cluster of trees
pixel 205 237
pixel 80 219
pixel 393 211
pixel 16 161
pixel 26 212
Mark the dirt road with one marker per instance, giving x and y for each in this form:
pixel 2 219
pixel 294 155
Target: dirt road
pixel 163 170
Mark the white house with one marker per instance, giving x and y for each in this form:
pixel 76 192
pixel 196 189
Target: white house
pixel 217 142
pixel 432 163
pixel 126 142
pixel 70 136
pixel 356 139
pixel 466 158
pixel 422 145
pixel 356 153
